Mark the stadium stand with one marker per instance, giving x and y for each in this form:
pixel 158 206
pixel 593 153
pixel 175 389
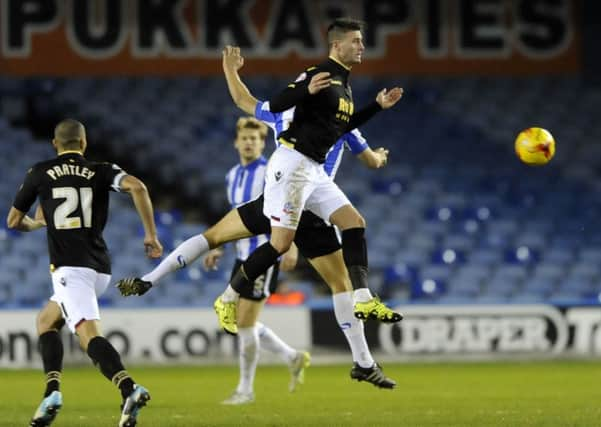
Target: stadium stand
pixel 453 218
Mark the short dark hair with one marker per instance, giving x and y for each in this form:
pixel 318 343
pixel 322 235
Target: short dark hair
pixel 253 124
pixel 69 133
pixel 342 26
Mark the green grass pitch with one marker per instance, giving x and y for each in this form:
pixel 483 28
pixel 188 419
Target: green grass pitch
pixel 566 393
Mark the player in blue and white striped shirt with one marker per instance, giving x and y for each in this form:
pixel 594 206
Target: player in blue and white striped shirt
pixel 244 182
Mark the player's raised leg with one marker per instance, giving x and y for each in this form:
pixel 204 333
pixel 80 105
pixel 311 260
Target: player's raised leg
pixel 287 187
pixel 228 229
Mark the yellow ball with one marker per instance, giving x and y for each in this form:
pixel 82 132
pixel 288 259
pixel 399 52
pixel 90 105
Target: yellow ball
pixel 535 146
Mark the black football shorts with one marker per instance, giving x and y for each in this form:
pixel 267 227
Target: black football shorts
pixel 314 238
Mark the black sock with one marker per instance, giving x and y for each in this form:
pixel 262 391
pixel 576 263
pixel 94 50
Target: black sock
pixel 256 264
pixel 239 281
pixel 51 350
pixel 108 360
pixel 354 252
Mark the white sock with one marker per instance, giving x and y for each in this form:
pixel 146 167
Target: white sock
pixel 248 340
pixel 363 295
pixel 271 342
pixel 186 253
pixel 229 295
pixel 352 328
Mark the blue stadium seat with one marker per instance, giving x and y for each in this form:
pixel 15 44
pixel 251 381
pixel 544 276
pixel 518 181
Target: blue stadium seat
pixel 488 211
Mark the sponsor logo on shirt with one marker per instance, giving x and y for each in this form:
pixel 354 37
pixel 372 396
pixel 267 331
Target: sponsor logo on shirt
pixel 288 208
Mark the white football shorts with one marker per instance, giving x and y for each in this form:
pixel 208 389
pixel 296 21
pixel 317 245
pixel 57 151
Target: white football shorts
pixel 294 182
pixel 76 291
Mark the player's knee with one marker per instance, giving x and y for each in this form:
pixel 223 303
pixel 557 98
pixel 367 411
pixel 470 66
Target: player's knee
pixel 348 217
pixel 281 245
pixel 356 221
pixel 361 223
pixel 281 240
pixel 86 330
pixel 46 321
pixel 212 236
pixel 84 341
pixel 42 324
pixel 219 234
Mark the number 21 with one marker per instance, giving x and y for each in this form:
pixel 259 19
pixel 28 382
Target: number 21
pixel 62 221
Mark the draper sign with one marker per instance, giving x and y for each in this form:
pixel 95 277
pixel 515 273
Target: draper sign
pixel 170 37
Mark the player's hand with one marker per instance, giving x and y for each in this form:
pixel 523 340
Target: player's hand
pixel 211 261
pixel 382 153
pixel 39 216
pixel 152 247
pixel 387 98
pixel 232 60
pixel 319 81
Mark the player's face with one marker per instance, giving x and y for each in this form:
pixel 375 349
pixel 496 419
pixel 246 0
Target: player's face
pixel 249 144
pixel 350 48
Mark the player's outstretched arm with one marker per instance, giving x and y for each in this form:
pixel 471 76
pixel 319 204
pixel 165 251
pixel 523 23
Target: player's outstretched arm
pixel 232 62
pixel 297 91
pixel 139 194
pixel 384 100
pixel 374 159
pixel 18 220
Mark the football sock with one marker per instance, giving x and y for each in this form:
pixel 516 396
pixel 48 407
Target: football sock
pixel 104 355
pixel 248 340
pixel 51 350
pixel 229 295
pixel 186 253
pixel 362 295
pixel 256 264
pixel 352 328
pixel 354 252
pixel 274 344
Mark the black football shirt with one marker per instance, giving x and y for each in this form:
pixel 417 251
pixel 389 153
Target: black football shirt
pixel 74 194
pixel 320 119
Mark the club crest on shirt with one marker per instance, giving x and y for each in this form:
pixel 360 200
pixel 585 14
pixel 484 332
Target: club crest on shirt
pixel 278 175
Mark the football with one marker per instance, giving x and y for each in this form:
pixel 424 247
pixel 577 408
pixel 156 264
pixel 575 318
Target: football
pixel 535 146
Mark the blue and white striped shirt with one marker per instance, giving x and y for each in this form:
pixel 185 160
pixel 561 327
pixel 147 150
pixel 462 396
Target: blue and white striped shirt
pixel 279 122
pixel 243 184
